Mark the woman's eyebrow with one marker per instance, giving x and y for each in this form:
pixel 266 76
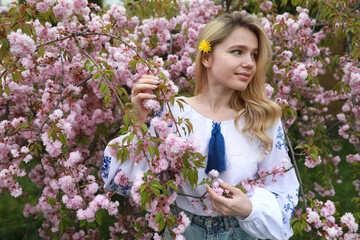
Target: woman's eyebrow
pixel 243 47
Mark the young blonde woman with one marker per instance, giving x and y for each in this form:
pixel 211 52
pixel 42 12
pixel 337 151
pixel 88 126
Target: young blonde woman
pixel 230 102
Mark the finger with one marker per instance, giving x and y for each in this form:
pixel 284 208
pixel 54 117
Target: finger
pixel 140 87
pixel 215 197
pixel 142 96
pixel 150 79
pixel 233 190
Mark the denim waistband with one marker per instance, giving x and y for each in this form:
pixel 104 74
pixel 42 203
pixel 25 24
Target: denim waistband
pixel 212 223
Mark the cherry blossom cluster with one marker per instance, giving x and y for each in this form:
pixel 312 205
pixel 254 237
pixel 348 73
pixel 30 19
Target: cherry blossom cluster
pixel 321 218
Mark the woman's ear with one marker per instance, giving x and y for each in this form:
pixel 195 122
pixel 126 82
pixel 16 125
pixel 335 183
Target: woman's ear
pixel 206 60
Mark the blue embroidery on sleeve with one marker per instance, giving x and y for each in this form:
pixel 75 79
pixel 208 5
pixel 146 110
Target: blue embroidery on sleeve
pixel 105 168
pixel 280 139
pixel 288 207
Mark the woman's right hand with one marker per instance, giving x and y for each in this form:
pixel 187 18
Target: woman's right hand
pixel 142 91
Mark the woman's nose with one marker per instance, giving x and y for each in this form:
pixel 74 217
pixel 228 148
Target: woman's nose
pixel 248 61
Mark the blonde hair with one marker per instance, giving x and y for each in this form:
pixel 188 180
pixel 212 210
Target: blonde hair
pixel 259 112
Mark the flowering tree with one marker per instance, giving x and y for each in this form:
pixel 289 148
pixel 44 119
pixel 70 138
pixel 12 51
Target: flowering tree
pixel 68 67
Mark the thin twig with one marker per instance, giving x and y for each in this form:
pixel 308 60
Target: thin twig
pixel 292 156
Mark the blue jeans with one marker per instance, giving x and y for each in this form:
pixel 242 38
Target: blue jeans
pixel 214 228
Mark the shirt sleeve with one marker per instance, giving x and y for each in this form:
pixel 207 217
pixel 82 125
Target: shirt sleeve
pixel 111 166
pixel 273 205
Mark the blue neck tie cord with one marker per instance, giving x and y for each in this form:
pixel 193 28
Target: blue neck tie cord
pixel 216 156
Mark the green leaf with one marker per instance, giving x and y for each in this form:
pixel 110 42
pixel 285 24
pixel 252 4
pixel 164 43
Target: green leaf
pixel 41 51
pixel 156 191
pixel 125 155
pixel 82 223
pixel 114 145
pixel 173 186
pixel 161 224
pixel 107 100
pixel 61 226
pixel 162 75
pixel 98 217
pixel 142 188
pixel 51 201
pixel 62 138
pixel 158 216
pixel 28 10
pixel 126 119
pixel 96 75
pixel 151 151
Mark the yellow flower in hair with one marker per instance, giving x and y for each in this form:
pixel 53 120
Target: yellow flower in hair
pixel 205 46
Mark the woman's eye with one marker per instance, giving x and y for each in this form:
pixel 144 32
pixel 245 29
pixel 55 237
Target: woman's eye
pixel 237 52
pixel 254 55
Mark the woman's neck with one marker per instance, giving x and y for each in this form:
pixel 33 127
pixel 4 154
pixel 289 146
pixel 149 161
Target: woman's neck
pixel 213 105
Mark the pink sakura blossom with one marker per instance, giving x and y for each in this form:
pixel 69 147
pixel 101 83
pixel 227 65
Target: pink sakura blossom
pixel 28 158
pixel 160 165
pixel 79 5
pixel 56 114
pixel 99 202
pixel 218 190
pixel 313 218
pixel 161 127
pixel 328 209
pixel 324 192
pixel 121 178
pixel 341 117
pixel 91 189
pixel 21 44
pixel 356 183
pixel 137 182
pixel 74 158
pixel 42 6
pixel 355 83
pixel 214 174
pixel 152 105
pixel 342 131
pixel 351 236
pixel 179 237
pixel 310 163
pixel 266 6
pixel 332 232
pixel 63 9
pixel 286 55
pixel 67 184
pixel 353 158
pixel 72 203
pixel 269 90
pixel 183 222
pixel 349 220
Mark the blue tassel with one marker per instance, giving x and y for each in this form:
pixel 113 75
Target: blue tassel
pixel 216 156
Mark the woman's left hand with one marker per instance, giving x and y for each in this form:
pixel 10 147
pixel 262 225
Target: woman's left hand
pixel 238 205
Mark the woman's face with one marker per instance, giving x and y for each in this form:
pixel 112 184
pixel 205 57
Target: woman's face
pixel 232 64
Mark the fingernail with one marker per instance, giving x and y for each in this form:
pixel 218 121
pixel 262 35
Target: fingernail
pixel 220 180
pixel 154 86
pixel 153 95
pixel 156 80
